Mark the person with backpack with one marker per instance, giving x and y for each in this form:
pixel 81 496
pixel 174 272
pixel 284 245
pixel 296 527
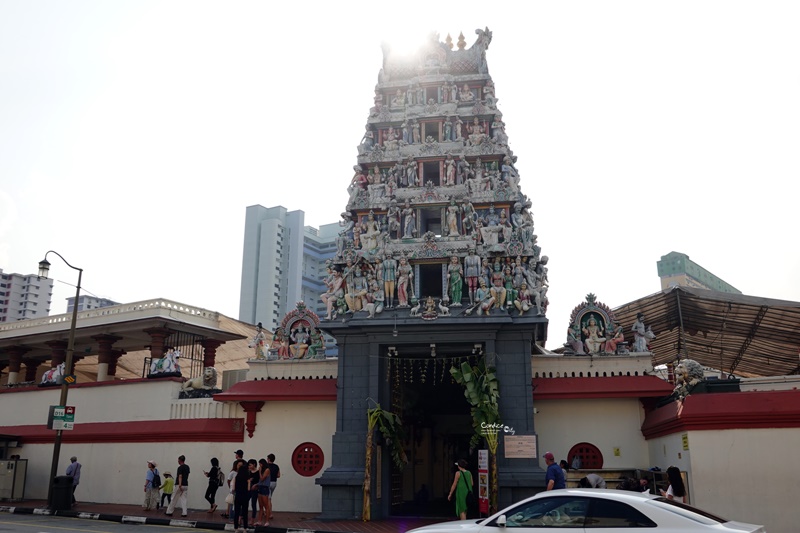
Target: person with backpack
pixel 152 484
pixel 213 476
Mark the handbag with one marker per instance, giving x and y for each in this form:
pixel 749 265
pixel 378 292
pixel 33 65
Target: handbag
pixel 229 498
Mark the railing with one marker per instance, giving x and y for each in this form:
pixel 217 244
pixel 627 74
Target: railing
pixel 190 409
pixel 574 366
pixel 143 309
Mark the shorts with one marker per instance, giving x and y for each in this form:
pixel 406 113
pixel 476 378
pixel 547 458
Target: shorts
pixel 263 490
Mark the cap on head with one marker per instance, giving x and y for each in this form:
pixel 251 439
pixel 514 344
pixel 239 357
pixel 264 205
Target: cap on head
pixel 152 463
pixel 239 453
pixel 549 456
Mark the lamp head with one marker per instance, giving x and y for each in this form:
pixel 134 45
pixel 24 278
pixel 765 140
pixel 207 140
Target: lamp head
pixel 44 268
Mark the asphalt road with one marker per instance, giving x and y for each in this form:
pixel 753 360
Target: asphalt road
pixel 22 523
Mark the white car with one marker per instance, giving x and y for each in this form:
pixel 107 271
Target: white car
pixel 579 510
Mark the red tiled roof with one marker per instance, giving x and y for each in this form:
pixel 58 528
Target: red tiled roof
pixel 605 387
pixel 725 410
pixel 308 390
pixel 189 430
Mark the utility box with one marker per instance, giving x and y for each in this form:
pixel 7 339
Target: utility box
pixel 12 479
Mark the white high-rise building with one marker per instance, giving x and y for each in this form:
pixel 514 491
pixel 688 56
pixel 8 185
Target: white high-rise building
pixel 86 301
pixel 24 296
pixel 283 262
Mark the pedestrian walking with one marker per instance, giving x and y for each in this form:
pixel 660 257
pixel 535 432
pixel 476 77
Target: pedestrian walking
pixel 263 493
pixel 462 484
pixel 230 512
pixel 274 474
pixel 167 487
pixel 554 477
pixel 74 471
pixel 252 465
pixel 151 485
pixel 213 484
pixel 241 496
pixel 181 488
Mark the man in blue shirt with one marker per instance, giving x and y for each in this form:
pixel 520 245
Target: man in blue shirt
pixel 554 476
pixel 74 471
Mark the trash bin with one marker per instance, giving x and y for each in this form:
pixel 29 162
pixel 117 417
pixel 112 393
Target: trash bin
pixel 61 499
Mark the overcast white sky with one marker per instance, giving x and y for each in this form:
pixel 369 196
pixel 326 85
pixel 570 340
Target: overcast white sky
pixel 133 135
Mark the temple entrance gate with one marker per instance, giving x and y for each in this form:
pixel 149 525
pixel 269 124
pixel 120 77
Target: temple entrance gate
pixel 437 423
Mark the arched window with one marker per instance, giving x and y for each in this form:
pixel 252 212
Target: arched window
pixel 590 456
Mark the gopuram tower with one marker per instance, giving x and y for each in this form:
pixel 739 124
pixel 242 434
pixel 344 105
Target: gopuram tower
pixel 437 264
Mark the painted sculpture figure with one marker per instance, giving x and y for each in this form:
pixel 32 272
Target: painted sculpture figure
pixel 259 343
pixel 206 381
pixel 594 336
pixel 405 276
pixel 435 195
pixel 642 335
pixel 54 375
pixel 300 337
pixel 455 281
pixel 168 364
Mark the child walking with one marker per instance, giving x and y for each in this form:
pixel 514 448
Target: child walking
pixel 167 488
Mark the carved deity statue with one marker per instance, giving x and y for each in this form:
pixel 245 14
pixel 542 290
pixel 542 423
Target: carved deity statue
pixel 465 94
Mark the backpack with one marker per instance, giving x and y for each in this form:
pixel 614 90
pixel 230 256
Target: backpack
pixel 220 477
pixel 156 483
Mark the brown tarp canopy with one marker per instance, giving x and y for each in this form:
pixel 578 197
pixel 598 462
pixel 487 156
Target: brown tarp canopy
pixel 742 335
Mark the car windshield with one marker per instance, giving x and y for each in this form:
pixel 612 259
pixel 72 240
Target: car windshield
pixel 689 511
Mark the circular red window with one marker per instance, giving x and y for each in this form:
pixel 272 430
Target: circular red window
pixel 307 459
pixel 589 454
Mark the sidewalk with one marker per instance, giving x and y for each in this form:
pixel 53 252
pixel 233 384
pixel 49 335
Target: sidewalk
pixel 282 522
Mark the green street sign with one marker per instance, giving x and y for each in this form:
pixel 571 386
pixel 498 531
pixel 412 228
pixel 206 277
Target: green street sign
pixel 61 417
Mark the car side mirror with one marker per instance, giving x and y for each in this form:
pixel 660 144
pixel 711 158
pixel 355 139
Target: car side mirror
pixel 501 521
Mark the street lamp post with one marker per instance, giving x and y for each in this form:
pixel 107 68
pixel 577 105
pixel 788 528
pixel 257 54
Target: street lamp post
pixel 44 269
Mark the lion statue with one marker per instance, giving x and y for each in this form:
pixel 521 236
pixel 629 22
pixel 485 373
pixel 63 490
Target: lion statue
pixel 688 373
pixel 206 381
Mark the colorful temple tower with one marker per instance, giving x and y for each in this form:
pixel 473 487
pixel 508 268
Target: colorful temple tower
pixel 437 263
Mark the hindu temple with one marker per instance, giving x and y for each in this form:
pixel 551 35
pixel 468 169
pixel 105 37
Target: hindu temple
pixel 437 264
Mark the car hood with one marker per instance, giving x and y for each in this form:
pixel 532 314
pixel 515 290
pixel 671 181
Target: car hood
pixel 455 525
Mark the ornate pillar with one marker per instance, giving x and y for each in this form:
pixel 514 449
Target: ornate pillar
pixel 157 338
pixel 210 351
pixel 31 366
pixel 15 354
pixel 112 363
pixel 251 408
pixel 104 354
pixel 58 352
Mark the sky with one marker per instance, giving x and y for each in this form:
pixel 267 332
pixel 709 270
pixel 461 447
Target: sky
pixel 133 135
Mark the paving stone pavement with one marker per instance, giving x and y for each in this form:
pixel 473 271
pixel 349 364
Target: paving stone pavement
pixel 281 522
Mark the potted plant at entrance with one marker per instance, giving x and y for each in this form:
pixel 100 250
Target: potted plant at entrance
pixel 481 389
pixel 391 429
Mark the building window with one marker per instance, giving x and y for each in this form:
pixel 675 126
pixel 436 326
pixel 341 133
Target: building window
pixel 307 459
